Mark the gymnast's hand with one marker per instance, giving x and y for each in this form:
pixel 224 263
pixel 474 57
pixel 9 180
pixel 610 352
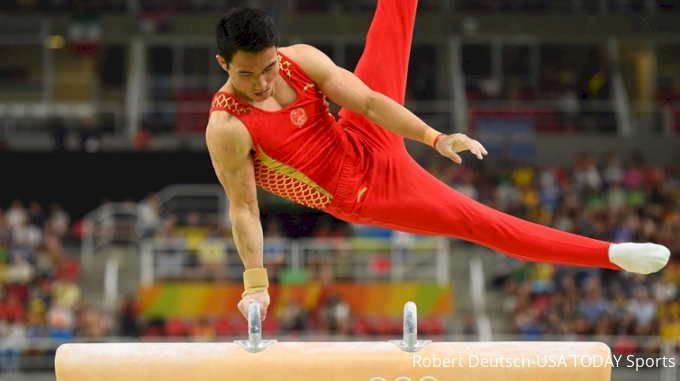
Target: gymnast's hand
pixel 261 297
pixel 450 145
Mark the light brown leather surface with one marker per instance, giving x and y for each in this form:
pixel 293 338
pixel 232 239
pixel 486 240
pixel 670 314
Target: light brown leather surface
pixel 335 361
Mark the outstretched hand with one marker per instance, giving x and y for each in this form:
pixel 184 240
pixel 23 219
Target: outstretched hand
pixel 261 297
pixel 450 145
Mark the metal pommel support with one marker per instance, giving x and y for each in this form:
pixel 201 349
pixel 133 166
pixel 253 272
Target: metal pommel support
pixel 254 343
pixel 410 343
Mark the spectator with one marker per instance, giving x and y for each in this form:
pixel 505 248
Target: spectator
pixel 170 249
pixel 274 247
pixel 90 135
pixel 192 230
pixel 12 308
pixel 20 271
pixel 12 343
pixel 594 306
pixel 59 134
pixel 66 293
pixel 91 323
pixel 36 215
pixel 643 310
pixel 148 216
pixel 16 214
pixel 203 329
pixel 26 236
pixel 294 318
pixel 144 140
pixel 61 323
pixel 4 236
pixel 586 173
pixel 337 315
pixel 128 316
pixel 469 326
pixel 59 221
pixel 664 290
pixel 613 172
pixel 211 253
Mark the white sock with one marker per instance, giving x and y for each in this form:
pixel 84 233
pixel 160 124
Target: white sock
pixel 642 258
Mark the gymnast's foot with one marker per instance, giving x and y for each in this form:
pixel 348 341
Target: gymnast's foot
pixel 642 258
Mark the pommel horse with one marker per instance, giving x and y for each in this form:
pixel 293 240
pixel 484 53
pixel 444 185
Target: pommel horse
pixel 408 359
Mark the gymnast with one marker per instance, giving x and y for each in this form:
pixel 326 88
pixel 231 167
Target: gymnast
pixel 270 127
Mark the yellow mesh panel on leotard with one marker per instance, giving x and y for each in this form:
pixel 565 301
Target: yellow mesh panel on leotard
pixel 289 183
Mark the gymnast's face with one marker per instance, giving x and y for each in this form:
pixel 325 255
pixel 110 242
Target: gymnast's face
pixel 253 74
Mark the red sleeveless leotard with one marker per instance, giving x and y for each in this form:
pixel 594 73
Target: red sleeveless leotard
pixel 300 150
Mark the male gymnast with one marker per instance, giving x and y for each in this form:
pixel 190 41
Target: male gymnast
pixel 270 127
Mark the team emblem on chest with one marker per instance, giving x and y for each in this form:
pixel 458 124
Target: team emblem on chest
pixel 298 116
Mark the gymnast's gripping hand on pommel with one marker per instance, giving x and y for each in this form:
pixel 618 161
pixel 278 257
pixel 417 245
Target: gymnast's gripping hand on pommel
pixel 255 292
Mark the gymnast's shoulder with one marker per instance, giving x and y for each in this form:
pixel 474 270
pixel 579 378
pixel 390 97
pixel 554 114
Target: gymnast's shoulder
pixel 310 59
pixel 301 52
pixel 227 131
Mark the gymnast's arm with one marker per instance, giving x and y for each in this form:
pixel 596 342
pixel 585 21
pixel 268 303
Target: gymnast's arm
pixel 229 145
pixel 347 90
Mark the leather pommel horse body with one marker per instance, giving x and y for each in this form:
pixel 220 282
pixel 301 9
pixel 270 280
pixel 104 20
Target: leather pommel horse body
pixel 404 360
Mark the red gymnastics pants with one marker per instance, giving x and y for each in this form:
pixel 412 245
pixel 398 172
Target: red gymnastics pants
pixel 388 188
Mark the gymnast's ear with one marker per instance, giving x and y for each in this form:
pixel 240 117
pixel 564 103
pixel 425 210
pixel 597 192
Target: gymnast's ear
pixel 222 62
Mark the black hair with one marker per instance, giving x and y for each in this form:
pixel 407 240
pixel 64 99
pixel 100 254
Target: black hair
pixel 246 29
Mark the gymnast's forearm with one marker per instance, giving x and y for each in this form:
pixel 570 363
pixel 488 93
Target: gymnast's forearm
pixel 394 117
pixel 248 236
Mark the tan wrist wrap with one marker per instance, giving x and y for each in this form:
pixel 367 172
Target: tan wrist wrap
pixel 430 136
pixel 255 280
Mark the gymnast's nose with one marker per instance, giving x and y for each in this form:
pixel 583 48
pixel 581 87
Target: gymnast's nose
pixel 262 83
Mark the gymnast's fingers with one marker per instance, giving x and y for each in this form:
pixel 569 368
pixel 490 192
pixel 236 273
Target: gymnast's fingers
pixel 263 310
pixel 479 150
pixel 484 151
pixel 245 302
pixel 243 308
pixel 473 148
pixel 454 156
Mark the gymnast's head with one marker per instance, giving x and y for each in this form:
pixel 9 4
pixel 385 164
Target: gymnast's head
pixel 247 42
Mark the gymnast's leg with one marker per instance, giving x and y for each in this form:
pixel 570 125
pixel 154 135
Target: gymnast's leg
pixel 383 67
pixel 403 196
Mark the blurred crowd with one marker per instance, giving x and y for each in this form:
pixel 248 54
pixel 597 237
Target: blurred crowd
pixel 612 198
pixel 40 297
